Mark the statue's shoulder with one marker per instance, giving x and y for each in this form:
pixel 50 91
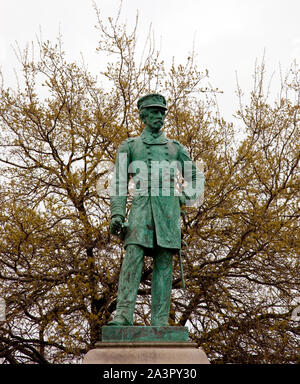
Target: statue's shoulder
pixel 125 143
pixel 181 147
pixel 128 144
pixel 178 143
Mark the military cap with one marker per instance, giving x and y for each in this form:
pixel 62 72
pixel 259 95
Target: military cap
pixel 152 100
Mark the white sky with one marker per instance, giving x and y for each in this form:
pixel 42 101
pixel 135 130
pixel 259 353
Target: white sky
pixel 228 35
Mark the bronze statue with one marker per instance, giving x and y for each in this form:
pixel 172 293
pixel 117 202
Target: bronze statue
pixel 153 226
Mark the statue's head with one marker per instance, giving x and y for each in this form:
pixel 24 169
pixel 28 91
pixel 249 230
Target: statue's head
pixel 152 110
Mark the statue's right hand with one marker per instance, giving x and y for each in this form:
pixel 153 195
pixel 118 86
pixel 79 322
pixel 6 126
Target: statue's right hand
pixel 116 225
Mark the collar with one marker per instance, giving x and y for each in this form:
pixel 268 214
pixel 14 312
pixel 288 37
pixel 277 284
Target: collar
pixel 148 138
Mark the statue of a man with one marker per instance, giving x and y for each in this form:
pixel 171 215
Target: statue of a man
pixel 153 226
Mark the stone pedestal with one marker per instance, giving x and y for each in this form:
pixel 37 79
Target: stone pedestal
pixel 145 345
pixel 145 353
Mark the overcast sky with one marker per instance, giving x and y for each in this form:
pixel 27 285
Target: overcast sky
pixel 228 35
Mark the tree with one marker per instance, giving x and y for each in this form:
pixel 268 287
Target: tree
pixel 59 267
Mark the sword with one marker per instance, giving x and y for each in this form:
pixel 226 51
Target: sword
pixel 181 270
pixel 182 213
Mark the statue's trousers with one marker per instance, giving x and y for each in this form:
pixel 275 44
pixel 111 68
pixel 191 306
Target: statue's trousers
pixel 161 287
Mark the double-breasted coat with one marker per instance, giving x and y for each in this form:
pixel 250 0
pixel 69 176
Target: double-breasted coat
pixel 154 217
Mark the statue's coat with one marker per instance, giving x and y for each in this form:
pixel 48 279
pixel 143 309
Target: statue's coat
pixel 152 218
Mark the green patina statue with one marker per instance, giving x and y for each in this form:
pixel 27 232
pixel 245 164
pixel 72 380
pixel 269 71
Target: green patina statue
pixel 153 226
